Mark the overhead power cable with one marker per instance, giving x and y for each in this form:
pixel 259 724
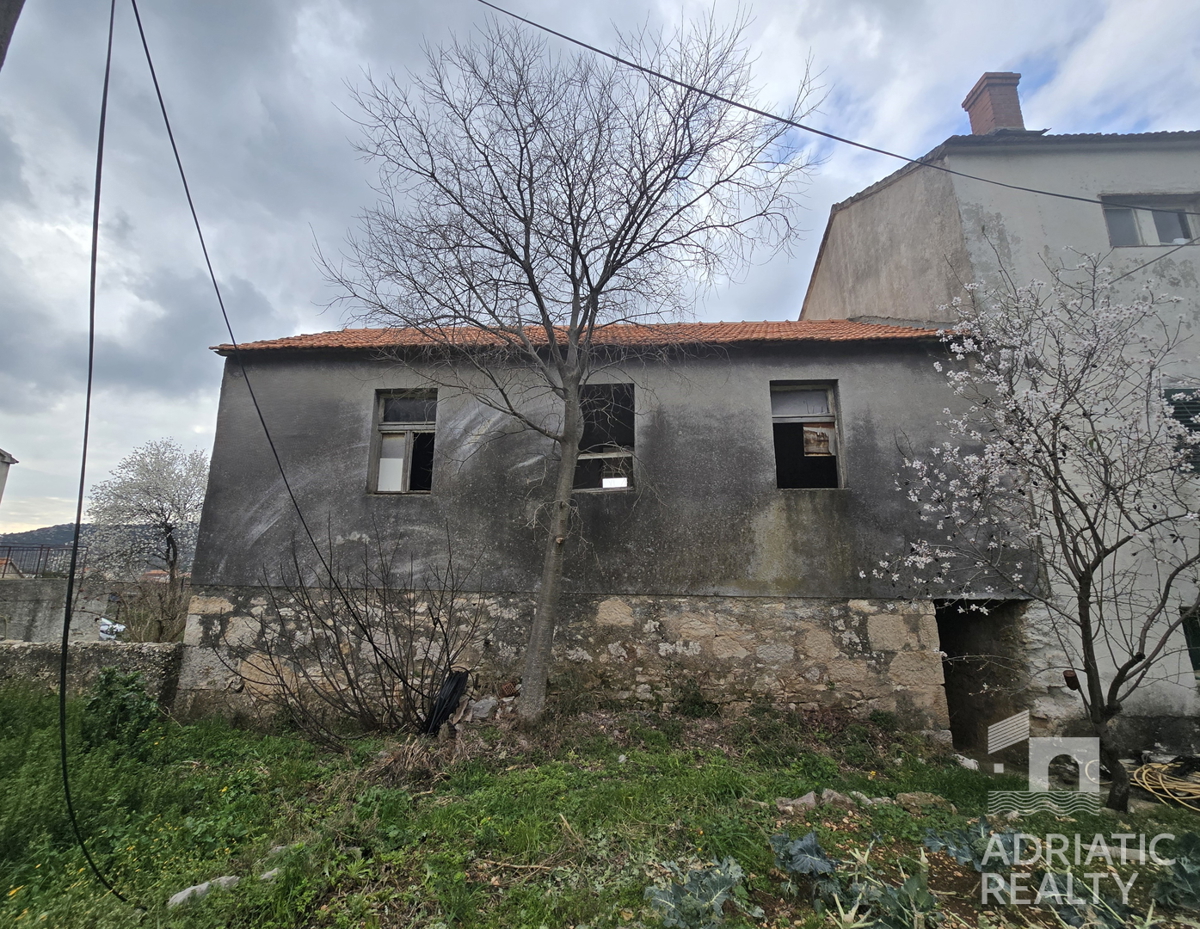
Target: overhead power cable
pixel 837 138
pixel 87 422
pixel 94 261
pixel 238 353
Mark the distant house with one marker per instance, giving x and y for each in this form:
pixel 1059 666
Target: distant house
pixel 727 503
pixel 5 461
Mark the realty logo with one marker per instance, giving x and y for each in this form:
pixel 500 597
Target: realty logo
pixel 1042 751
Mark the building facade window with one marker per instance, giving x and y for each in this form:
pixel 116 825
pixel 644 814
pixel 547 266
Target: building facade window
pixel 606 448
pixel 804 422
pixel 405 424
pixel 1185 407
pixel 1151 220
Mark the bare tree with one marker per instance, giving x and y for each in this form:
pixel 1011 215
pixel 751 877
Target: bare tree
pixel 528 201
pixel 1069 480
pixel 144 518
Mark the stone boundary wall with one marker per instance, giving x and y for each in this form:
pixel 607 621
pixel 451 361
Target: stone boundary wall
pixel 37 663
pixel 31 610
pixel 860 655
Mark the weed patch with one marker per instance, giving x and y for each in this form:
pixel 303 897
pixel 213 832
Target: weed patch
pixel 566 826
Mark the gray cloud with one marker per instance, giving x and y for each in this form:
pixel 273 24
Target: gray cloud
pixel 255 89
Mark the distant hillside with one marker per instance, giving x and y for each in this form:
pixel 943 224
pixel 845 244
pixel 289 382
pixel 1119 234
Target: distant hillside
pixel 47 535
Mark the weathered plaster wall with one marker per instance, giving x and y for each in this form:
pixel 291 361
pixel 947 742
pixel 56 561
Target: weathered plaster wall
pixel 1026 233
pixel 896 255
pixel 862 655
pixel 31 610
pixel 900 252
pixel 1168 697
pixel 37 663
pixel 705 517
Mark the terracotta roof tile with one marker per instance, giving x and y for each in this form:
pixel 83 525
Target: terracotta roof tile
pixel 661 334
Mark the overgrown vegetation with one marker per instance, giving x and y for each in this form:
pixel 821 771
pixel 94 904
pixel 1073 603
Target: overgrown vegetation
pixel 357 645
pixel 566 827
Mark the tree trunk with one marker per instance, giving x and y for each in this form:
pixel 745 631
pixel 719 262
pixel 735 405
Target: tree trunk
pixel 536 671
pixel 1118 792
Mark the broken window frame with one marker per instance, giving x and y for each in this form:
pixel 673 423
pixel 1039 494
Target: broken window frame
pixel 821 476
pixel 1143 220
pixel 417 434
pixel 614 458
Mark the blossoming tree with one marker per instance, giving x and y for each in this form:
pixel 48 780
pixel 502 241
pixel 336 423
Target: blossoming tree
pixel 1068 479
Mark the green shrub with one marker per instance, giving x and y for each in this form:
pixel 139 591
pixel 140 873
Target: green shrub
pixel 1180 886
pixel 696 899
pixel 118 710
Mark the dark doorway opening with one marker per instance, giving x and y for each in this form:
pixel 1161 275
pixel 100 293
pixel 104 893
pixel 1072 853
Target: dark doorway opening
pixel 986 676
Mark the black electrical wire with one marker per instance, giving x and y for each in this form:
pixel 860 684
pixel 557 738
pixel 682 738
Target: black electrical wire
pixel 87 420
pixel 71 575
pixel 837 138
pixel 1146 264
pixel 238 354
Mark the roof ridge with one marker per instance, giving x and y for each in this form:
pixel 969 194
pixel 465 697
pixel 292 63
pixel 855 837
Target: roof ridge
pixel 614 334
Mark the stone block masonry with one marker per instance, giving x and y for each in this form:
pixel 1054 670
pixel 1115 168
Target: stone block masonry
pixel 799 653
pixel 37 664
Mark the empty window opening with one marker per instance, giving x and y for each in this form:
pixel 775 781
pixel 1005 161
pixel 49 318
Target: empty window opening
pixel 606 447
pixel 1147 220
pixel 405 441
pixel 806 439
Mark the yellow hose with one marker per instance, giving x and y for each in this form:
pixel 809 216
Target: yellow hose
pixel 1156 779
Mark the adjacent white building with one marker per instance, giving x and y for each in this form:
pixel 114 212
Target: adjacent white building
pixel 5 460
pixel 902 248
pixel 899 251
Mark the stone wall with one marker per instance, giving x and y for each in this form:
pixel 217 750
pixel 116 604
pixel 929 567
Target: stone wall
pixel 861 655
pixel 31 610
pixel 37 663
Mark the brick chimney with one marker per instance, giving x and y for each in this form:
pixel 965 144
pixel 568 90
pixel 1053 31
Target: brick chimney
pixel 993 103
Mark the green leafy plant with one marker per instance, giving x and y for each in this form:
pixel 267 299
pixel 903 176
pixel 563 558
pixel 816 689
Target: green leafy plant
pixel 858 895
pixel 804 859
pixel 697 899
pixel 909 904
pixel 1180 886
pixel 118 710
pixel 1102 913
pixel 978 845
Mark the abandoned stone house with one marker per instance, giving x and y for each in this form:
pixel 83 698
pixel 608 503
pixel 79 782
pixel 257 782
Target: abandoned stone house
pixel 726 510
pixel 726 516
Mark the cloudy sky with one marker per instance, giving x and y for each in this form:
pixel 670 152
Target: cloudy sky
pixel 258 92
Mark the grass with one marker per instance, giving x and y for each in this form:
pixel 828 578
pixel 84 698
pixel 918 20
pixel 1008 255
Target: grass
pixel 562 828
